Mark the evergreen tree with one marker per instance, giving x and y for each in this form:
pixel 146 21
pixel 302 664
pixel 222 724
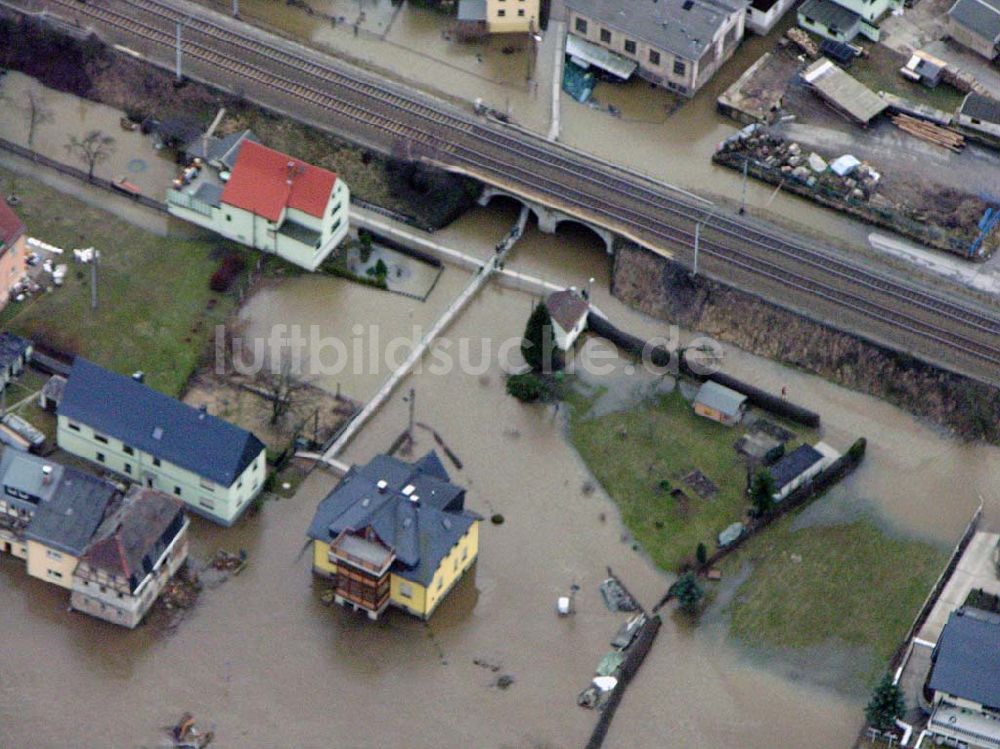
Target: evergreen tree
pixel 688 592
pixel 886 705
pixel 539 343
pixel 762 491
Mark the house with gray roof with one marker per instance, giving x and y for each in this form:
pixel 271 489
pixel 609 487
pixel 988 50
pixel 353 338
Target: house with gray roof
pixel 843 20
pixel 719 403
pixel 976 24
pixel 979 119
pixel 15 353
pixel 679 44
pixel 965 680
pixel 124 426
pixel 394 533
pixel 49 513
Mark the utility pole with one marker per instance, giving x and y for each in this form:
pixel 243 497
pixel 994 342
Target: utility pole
pixel 743 198
pixel 93 280
pixel 413 404
pixel 236 8
pixel 179 72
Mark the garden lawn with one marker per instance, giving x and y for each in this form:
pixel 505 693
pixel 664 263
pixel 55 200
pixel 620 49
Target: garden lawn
pixel 631 452
pixel 855 585
pixel 155 311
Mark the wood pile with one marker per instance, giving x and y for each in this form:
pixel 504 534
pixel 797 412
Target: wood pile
pixel 803 41
pixel 939 136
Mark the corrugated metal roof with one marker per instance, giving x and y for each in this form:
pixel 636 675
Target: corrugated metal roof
pixel 605 59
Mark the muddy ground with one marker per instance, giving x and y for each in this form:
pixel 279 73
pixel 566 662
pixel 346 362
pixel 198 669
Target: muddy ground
pixel 665 290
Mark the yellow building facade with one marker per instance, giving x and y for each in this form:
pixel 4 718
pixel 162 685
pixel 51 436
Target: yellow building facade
pixel 512 16
pixel 51 565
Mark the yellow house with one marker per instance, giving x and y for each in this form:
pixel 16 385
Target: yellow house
pixel 49 513
pixel 512 16
pixel 394 533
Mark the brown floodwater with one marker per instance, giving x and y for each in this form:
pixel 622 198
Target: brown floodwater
pixel 265 664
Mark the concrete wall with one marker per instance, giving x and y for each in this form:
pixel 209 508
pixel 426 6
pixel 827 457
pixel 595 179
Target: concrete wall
pixel 51 565
pixel 512 16
pixel 222 504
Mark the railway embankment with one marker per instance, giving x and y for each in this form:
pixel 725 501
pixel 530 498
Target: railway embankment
pixel 666 290
pixel 86 67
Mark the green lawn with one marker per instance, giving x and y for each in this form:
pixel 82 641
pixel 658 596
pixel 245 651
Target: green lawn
pixel 855 585
pixel 880 72
pixel 630 452
pixel 155 312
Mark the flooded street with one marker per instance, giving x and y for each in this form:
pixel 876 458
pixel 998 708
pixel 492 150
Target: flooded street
pixel 262 662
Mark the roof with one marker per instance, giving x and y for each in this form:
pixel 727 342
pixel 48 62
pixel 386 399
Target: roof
pixel 843 91
pixel 12 349
pixel 966 660
pixel 223 149
pixel 567 307
pixel 471 10
pixel 589 53
pixel 150 421
pixel 23 480
pixel 421 533
pixel 720 398
pixel 794 464
pixel 684 28
pixel 982 17
pixel 981 108
pixel 11 226
pixel 265 182
pixel 71 503
pixel 209 193
pixel 131 541
pixel 829 14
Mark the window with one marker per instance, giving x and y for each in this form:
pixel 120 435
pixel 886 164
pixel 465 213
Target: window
pixel 100 457
pixel 156 462
pixel 101 438
pixel 128 449
pixel 581 26
pixel 177 491
pixel 74 427
pixel 605 36
pixel 654 57
pixel 128 468
pixel 501 13
pixel 679 67
pixel 440 583
pixel 206 504
pixel 206 484
pixel 630 46
pixel 405 590
pixel 454 567
pixel 228 217
pixel 56 575
pixel 520 12
pixel 54 555
pixel 465 554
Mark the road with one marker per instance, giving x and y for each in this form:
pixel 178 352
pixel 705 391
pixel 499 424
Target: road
pixel 790 271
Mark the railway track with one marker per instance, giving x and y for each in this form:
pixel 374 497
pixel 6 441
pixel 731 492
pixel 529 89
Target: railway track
pixel 796 266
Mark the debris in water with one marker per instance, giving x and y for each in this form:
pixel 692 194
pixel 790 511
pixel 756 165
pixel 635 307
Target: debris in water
pixel 504 681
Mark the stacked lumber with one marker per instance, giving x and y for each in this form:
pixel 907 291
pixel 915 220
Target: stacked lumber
pixel 803 41
pixel 939 136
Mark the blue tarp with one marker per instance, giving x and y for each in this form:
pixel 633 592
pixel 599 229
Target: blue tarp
pixel 577 82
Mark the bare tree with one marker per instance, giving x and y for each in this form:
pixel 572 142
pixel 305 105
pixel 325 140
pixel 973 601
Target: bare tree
pixel 37 112
pixel 281 386
pixel 94 148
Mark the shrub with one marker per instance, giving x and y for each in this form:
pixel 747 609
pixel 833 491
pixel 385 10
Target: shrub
pixel 688 592
pixel 857 450
pixel 886 705
pixel 701 554
pixel 227 272
pixel 527 387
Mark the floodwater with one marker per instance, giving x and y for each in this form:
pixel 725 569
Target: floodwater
pixel 265 664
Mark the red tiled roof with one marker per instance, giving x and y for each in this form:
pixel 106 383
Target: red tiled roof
pixel 11 227
pixel 265 181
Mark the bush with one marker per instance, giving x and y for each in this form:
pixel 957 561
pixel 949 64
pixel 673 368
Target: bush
pixel 688 592
pixel 228 271
pixel 857 450
pixel 527 387
pixel 701 554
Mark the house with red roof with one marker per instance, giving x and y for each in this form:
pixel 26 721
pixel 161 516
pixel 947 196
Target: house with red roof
pixel 268 200
pixel 13 238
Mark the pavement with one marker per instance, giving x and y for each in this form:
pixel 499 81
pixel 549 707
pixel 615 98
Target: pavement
pixel 976 569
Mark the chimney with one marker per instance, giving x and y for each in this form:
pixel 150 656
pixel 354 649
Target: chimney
pixel 139 376
pixel 202 411
pixel 415 500
pixel 382 486
pixel 46 475
pixel 291 172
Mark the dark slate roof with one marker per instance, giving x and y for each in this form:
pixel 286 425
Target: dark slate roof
pixel 829 14
pixel 471 10
pixel 136 414
pixel 794 464
pixel 681 27
pixel 981 108
pixel 967 657
pixel 68 520
pixel 12 348
pixel 982 17
pixel 421 534
pixel 131 540
pixel 23 481
pixel 209 193
pixel 566 307
pixel 223 149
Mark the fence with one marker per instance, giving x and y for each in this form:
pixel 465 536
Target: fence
pixel 661 357
pixel 76 173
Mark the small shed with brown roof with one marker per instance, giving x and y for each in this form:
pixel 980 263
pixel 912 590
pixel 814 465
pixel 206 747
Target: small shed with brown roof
pixel 568 310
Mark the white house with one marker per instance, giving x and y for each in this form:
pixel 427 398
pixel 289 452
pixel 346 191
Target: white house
pixel 842 20
pixel 762 15
pixel 269 201
pixel 800 466
pixel 124 426
pixel 568 310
